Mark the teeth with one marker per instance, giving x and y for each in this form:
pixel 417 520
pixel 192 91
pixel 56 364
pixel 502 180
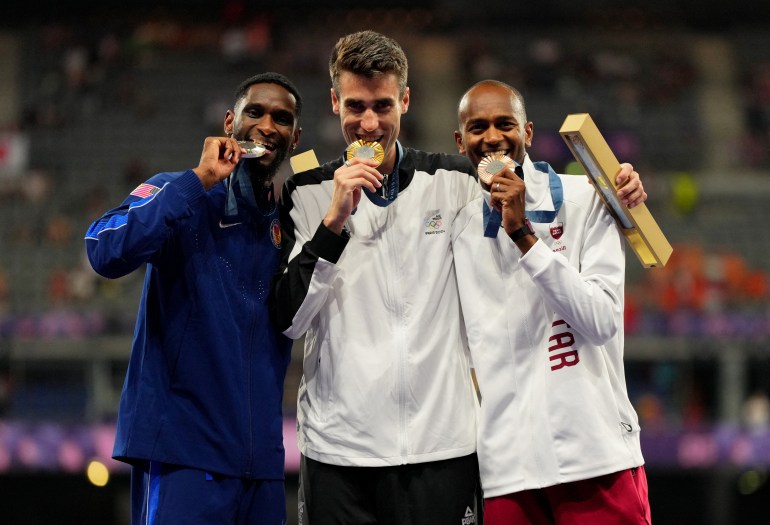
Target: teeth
pixel 496 153
pixel 499 153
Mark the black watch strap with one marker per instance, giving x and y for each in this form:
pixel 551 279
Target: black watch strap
pixel 521 232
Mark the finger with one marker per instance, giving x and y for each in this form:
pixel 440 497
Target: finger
pixel 359 170
pixel 630 186
pixel 636 199
pixel 365 183
pixel 361 161
pixel 230 150
pixel 359 180
pixel 625 174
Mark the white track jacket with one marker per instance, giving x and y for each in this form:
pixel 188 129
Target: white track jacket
pixel 546 338
pixel 386 372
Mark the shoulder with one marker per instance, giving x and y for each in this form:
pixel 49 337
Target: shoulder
pixel 154 184
pixel 313 176
pixel 159 179
pixel 577 187
pixel 471 214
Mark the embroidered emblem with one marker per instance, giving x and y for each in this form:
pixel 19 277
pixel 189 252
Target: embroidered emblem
pixel 557 229
pixel 226 225
pixel 145 190
pixel 433 223
pixel 275 233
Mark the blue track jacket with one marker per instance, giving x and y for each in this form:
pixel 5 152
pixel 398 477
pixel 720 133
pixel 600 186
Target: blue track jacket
pixel 205 380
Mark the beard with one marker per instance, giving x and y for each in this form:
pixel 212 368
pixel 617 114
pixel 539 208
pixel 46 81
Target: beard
pixel 261 174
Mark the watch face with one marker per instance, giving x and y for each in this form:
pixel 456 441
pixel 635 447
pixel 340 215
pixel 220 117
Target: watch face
pixel 523 231
pixel 492 165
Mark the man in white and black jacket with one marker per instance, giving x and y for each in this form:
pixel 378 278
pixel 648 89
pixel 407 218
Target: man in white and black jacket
pixel 386 408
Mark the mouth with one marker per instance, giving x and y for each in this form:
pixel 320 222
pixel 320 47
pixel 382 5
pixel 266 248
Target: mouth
pixel 257 147
pixel 497 153
pixel 269 146
pixel 370 138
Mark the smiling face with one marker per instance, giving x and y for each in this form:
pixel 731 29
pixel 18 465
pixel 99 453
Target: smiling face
pixel 493 121
pixel 370 109
pixel 267 115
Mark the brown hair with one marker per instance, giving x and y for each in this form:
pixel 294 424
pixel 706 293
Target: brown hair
pixel 368 53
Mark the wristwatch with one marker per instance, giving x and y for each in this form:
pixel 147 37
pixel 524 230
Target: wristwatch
pixel 522 232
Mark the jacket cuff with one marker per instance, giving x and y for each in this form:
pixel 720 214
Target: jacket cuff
pixel 189 186
pixel 328 245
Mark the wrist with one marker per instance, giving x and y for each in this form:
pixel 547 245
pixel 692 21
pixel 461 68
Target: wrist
pixel 522 232
pixel 334 224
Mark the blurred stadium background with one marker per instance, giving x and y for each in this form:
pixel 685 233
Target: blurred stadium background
pixel 94 98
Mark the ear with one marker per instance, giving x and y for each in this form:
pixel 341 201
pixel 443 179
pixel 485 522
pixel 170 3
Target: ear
pixel 529 132
pixel 335 102
pixel 405 101
pixel 295 140
pixel 229 118
pixel 459 142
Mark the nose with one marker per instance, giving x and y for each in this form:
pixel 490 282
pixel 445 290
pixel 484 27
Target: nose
pixel 369 120
pixel 266 125
pixel 493 135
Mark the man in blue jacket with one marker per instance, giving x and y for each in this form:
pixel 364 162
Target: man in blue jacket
pixel 200 414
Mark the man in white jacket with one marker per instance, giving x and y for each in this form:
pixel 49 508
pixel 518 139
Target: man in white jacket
pixel 386 410
pixel 542 299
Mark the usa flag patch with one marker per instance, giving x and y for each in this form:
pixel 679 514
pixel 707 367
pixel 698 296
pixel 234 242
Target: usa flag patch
pixel 145 190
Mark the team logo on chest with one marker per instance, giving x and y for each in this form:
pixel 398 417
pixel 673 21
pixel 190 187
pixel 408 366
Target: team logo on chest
pixel 557 229
pixel 275 233
pixel 433 223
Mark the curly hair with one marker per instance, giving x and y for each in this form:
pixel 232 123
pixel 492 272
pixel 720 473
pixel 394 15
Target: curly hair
pixel 270 78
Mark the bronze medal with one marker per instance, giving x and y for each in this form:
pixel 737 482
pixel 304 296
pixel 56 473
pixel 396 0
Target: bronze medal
pixel 491 166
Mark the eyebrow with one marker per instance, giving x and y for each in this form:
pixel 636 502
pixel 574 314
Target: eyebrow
pixel 266 109
pixel 386 100
pixel 476 120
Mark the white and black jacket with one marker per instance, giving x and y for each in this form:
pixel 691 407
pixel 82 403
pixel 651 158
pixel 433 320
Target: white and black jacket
pixel 386 367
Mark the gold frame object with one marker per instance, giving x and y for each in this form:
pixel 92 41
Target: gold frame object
pixel 303 161
pixel 637 224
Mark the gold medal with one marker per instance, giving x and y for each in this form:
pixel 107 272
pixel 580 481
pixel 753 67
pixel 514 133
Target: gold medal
pixel 365 150
pixel 253 150
pixel 491 166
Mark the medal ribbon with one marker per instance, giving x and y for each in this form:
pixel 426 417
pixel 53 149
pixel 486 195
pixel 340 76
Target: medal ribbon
pixel 493 219
pixel 240 177
pixel 391 181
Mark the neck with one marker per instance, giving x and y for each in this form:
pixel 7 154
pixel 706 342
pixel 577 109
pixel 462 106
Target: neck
pixel 260 179
pixel 389 164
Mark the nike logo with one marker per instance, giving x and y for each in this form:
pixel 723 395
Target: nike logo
pixel 222 225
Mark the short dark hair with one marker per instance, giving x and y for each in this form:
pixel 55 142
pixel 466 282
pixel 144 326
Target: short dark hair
pixel 368 53
pixel 270 78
